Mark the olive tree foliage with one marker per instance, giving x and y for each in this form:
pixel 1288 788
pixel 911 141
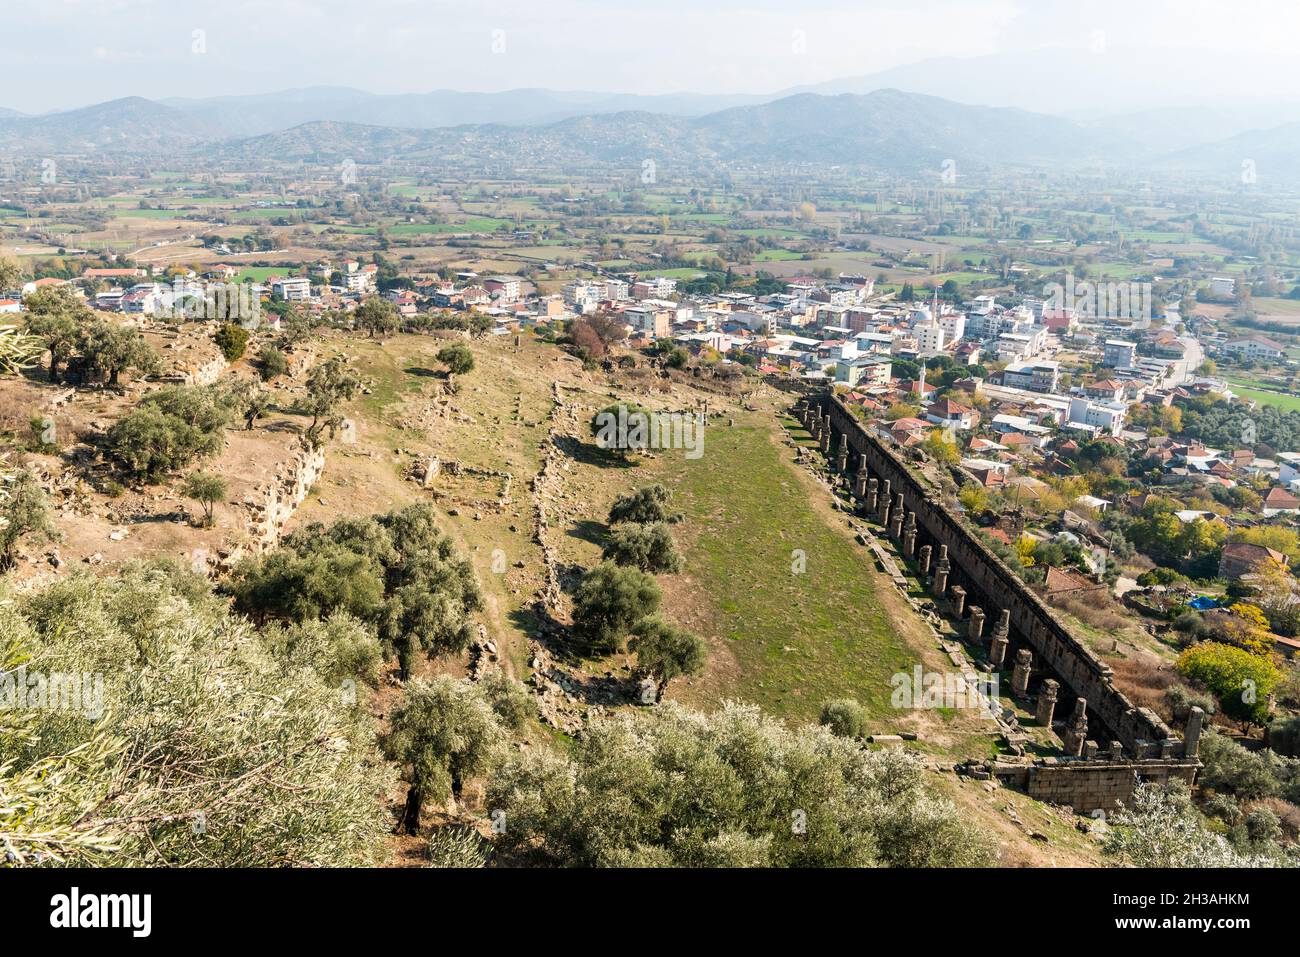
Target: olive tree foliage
pixel 342 649
pixel 377 316
pixel 645 506
pixel 458 846
pixel 19 350
pixel 1161 828
pixel 845 717
pixel 57 317
pixel 513 703
pixel 457 357
pixel 665 651
pixel 735 788
pixel 202 746
pixel 396 571
pixel 208 489
pixel 329 385
pixel 109 349
pixel 444 732
pixel 650 548
pixel 168 429
pixel 609 602
pixel 24 511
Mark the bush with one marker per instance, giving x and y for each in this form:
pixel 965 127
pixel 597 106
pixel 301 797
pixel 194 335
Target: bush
pixel 609 602
pixel 1284 736
pixel 664 651
pixel 206 725
pixel 168 430
pixel 670 787
pixel 208 490
pixel 1240 680
pixel 645 506
pixel 232 340
pixel 396 571
pixel 1182 699
pixel 648 547
pixel 845 718
pixel 457 846
pixel 1232 769
pixel 513 703
pixel 457 357
pixel 271 362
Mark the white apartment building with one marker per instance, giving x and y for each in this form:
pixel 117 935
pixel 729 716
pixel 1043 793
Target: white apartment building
pixel 1042 376
pixel 292 289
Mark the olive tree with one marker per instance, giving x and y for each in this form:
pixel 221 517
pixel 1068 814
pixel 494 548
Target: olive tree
pixel 445 732
pixel 674 787
pixel 208 490
pixel 664 651
pixel 24 510
pixel 609 602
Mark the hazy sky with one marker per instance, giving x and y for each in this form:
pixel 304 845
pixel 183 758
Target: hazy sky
pixel 66 53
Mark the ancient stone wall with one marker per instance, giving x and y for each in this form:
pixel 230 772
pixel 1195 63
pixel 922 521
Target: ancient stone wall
pixel 1088 786
pixel 982 579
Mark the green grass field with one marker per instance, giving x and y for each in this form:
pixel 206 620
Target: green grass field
pixel 797 638
pixel 1283 400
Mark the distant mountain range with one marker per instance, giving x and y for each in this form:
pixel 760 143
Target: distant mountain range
pixel 883 129
pixel 887 129
pixel 130 125
pixel 269 113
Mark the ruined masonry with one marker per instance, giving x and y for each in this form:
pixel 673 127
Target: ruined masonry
pixel 1051 668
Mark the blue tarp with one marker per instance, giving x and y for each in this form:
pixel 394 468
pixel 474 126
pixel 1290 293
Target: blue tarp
pixel 1202 602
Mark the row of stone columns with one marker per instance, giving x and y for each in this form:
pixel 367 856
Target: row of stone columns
pixel 877 497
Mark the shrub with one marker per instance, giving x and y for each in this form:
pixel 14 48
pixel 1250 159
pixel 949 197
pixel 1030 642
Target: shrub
pixel 645 506
pixel 205 725
pixel 168 430
pixel 271 362
pixel 648 547
pixel 684 789
pixel 232 339
pixel 396 571
pixel 845 718
pixel 513 703
pixel 457 846
pixel 609 602
pixel 664 651
pixel 1240 680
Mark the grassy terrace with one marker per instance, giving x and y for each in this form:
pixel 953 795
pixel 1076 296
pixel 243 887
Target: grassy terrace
pixel 793 639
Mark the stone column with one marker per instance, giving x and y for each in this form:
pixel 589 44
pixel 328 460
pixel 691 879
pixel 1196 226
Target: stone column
pixel 842 459
pixel 896 518
pixel 1020 674
pixel 1076 730
pixel 1090 750
pixel 873 494
pixel 1046 709
pixel 941 570
pixel 1001 638
pixel 958 601
pixel 975 632
pixel 1116 751
pixel 884 503
pixel 860 480
pixel 909 535
pixel 923 561
pixel 1192 734
pixel 826 435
